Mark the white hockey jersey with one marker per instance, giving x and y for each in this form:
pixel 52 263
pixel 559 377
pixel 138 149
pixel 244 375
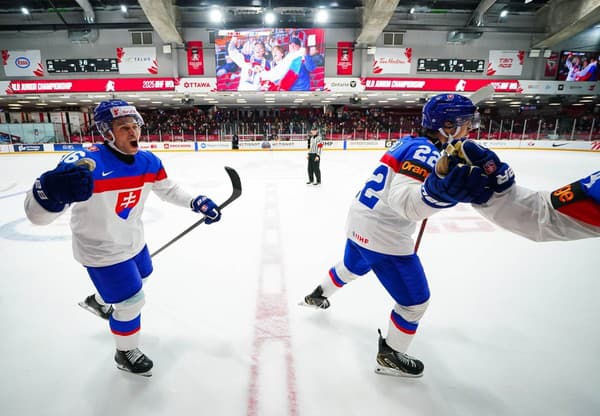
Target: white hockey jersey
pixel 107 228
pixel 385 212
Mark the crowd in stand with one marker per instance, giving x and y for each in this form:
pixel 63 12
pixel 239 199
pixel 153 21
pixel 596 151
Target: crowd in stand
pixel 277 121
pixel 349 122
pixel 339 122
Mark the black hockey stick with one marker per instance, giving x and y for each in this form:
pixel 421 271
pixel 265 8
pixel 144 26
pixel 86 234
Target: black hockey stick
pixel 236 184
pixel 421 231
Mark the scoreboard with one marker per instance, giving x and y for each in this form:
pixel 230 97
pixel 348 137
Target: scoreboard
pixel 82 65
pixel 450 65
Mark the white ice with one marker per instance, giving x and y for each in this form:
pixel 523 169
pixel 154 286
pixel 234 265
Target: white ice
pixel 512 328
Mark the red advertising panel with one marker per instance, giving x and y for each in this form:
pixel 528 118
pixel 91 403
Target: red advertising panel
pixel 195 58
pixel 344 58
pixel 89 85
pixel 439 84
pixel 270 60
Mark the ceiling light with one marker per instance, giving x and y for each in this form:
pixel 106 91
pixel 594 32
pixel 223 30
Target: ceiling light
pixel 321 16
pixel 123 8
pixel 528 1
pixel 216 15
pixel 25 11
pixel 504 13
pixel 412 10
pixel 270 17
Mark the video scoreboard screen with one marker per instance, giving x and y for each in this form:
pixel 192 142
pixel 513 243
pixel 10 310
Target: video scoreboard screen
pixel 450 65
pixel 82 65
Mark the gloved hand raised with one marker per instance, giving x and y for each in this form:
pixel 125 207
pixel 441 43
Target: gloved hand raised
pixel 206 206
pixel 65 184
pixel 462 184
pixel 501 175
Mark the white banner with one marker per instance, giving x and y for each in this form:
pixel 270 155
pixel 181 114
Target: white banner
pixel 560 87
pixel 392 61
pixel 505 63
pixel 137 60
pixel 196 85
pixel 22 63
pixel 344 85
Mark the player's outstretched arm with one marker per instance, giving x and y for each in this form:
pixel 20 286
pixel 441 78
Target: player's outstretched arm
pixel 571 212
pixel 57 188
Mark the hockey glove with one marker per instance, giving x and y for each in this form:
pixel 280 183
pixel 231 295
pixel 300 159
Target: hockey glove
pixel 66 184
pixel 462 184
pixel 501 175
pixel 206 206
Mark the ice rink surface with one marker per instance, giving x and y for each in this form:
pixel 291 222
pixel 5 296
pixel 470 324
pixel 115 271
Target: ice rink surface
pixel 512 328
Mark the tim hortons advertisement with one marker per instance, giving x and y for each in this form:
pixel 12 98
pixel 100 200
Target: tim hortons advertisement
pixel 22 63
pixel 87 85
pixel 392 61
pixel 270 60
pixel 505 63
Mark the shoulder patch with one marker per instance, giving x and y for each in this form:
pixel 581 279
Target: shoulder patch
pixel 571 200
pixel 566 195
pixel 414 170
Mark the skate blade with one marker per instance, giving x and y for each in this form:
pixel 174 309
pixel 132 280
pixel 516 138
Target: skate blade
pixel 87 308
pixel 386 371
pixel 144 374
pixel 306 305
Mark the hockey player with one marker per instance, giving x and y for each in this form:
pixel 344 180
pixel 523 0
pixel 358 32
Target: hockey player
pixel 108 235
pixel 402 191
pixel 571 212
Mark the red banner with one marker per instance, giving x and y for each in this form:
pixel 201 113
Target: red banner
pixel 344 58
pixel 195 58
pixel 88 85
pixel 439 84
pixel 551 68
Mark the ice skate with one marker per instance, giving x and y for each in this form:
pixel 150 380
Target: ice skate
pixel 394 363
pixel 134 361
pixel 315 299
pixel 94 307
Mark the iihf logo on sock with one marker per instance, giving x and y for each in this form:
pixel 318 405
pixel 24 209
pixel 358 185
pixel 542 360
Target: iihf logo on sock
pixel 126 201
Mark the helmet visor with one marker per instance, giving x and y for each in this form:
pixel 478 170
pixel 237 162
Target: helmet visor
pixel 460 120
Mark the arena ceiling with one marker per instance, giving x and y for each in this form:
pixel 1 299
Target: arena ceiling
pixel 548 21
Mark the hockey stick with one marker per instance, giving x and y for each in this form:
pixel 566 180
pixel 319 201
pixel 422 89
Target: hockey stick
pixel 482 94
pixel 421 231
pixel 236 184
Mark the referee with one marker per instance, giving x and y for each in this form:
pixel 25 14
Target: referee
pixel 315 145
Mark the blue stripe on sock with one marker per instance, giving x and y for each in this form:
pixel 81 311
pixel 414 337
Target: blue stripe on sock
pixel 402 324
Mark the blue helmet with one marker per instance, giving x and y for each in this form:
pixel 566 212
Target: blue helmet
pixel 107 111
pixel 448 110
